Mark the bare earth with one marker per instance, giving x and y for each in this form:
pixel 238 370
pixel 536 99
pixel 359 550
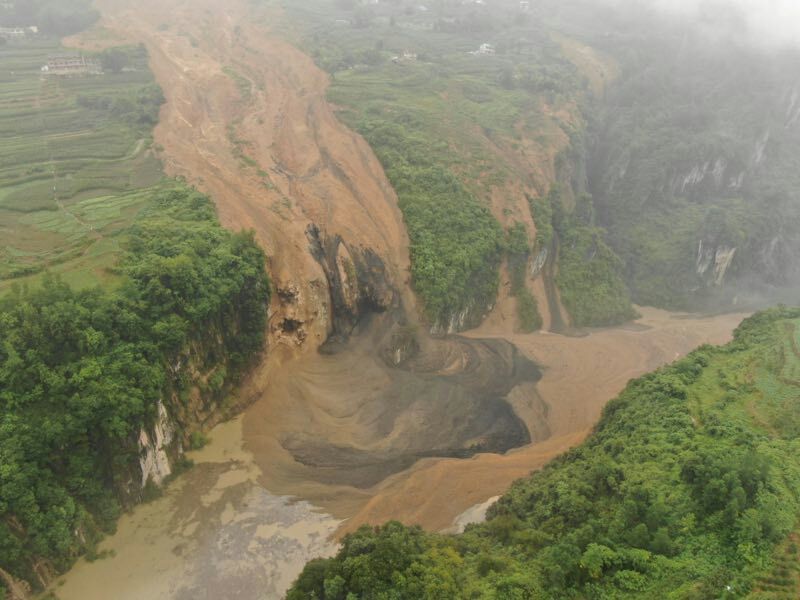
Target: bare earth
pixel 581 374
pixel 235 90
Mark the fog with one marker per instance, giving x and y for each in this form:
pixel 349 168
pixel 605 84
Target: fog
pixel 769 23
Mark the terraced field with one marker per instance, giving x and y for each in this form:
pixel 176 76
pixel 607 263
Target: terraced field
pixel 75 163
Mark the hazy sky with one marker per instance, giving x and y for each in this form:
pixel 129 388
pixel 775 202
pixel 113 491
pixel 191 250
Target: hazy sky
pixel 766 22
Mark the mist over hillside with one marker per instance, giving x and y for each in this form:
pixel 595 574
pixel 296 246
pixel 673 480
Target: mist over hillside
pixel 383 237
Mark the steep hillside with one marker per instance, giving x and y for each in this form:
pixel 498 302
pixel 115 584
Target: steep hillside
pixel 693 156
pixel 688 488
pixel 679 139
pixel 472 137
pixel 127 314
pixel 100 390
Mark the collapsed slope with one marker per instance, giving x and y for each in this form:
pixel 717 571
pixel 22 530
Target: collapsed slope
pixel 317 418
pixel 246 120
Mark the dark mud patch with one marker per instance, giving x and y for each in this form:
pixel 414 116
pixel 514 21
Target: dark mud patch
pixel 450 400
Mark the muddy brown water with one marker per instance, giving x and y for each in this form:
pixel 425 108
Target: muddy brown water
pixel 215 534
pixel 244 520
pixel 333 441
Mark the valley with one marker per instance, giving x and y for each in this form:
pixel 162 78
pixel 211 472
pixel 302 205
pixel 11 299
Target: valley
pixel 417 359
pixel 239 545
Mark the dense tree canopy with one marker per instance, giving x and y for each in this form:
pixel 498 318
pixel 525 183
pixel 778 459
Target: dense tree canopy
pixel 82 372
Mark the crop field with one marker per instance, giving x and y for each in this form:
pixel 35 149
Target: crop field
pixel 75 165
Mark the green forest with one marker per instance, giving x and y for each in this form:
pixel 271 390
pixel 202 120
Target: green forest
pixel 590 275
pixel 688 488
pixel 81 372
pixel 456 244
pixel 444 123
pixel 693 144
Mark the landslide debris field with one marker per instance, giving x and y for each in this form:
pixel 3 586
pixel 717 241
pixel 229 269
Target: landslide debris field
pixel 247 121
pixel 266 146
pixel 381 423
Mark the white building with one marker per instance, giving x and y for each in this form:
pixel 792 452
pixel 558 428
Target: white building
pixel 485 49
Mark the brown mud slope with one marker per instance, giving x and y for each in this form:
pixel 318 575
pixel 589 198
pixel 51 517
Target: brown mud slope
pixel 246 120
pixel 334 426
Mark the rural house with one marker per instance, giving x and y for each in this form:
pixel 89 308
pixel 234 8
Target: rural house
pixel 72 64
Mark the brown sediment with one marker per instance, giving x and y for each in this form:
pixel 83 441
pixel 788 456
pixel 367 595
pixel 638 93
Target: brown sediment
pixel 246 120
pixel 367 430
pixel 580 374
pixel 331 427
pixel 216 533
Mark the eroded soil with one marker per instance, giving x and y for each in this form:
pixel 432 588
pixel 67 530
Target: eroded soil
pixel 361 431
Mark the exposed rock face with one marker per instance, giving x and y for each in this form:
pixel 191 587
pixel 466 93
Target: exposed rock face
pixel 471 315
pixel 357 281
pixel 201 375
pixel 713 262
pixel 539 262
pixel 403 346
pixel 154 446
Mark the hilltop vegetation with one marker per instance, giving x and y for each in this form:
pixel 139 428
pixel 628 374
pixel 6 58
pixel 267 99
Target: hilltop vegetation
pixel 82 372
pixel 688 488
pixel 459 135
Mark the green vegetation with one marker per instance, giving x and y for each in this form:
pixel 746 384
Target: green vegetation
pixel 518 258
pixel 447 127
pixel 692 151
pixel 81 372
pixel 456 244
pixel 75 166
pixel 83 369
pixel 689 488
pixel 589 273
